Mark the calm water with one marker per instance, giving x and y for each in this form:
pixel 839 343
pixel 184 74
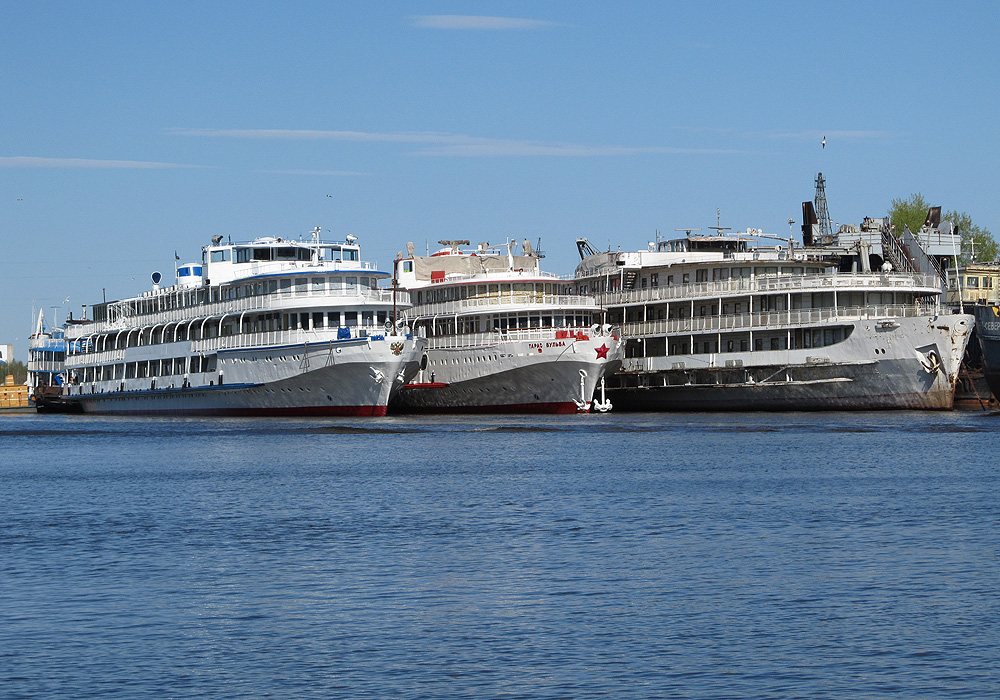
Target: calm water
pixel 621 556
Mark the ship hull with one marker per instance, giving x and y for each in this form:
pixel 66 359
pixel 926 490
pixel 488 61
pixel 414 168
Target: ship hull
pixel 905 363
pixel 352 378
pixel 988 335
pixel 526 377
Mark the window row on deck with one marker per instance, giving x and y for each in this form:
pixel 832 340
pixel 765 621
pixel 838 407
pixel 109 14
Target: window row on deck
pixel 647 279
pixel 168 367
pixel 736 306
pixel 450 325
pixel 489 291
pixel 694 344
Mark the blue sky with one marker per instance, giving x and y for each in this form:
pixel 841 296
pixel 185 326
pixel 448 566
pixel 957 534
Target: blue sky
pixel 134 129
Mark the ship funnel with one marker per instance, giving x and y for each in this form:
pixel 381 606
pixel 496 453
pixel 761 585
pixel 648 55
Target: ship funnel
pixel 810 224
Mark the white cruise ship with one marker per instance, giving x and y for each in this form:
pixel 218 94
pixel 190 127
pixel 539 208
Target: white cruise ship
pixel 713 322
pixel 502 335
pixel 268 327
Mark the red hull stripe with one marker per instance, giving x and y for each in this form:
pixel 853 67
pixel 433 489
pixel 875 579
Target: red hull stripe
pixel 551 407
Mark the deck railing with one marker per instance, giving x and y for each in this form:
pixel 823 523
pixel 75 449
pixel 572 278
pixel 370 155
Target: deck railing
pixel 771 320
pixel 283 300
pixel 928 284
pixel 503 303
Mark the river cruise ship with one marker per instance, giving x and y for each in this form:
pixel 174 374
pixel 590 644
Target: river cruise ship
pixel 267 327
pixel 502 335
pixel 721 322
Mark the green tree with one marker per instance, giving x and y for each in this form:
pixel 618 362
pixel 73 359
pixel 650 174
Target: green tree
pixel 910 212
pixel 977 243
pixel 18 369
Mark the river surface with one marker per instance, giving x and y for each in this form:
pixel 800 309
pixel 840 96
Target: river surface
pixel 828 555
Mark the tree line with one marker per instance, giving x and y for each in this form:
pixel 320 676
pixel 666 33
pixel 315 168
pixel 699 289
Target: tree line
pixel 978 244
pixel 18 369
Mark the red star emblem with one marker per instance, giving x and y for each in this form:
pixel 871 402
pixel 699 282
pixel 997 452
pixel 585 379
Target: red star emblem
pixel 602 352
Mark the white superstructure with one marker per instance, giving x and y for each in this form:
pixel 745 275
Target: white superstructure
pixel 502 335
pixel 267 327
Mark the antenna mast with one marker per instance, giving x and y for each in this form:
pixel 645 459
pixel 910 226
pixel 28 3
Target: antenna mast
pixel 822 212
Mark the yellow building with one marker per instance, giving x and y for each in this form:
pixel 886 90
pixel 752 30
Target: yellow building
pixel 980 283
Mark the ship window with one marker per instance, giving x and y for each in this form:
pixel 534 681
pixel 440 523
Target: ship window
pixel 350 254
pixel 408 266
pixel 317 319
pixel 352 282
pixel 197 270
pixel 654 279
pixel 220 255
pixel 350 318
pixel 333 319
pixel 285 254
pixel 261 253
pixel 701 275
pixel 381 317
pixel 972 282
pixel 318 284
pixel 686 278
pixel 367 318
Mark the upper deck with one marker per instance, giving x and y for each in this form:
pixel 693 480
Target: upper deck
pixel 261 275
pixel 486 264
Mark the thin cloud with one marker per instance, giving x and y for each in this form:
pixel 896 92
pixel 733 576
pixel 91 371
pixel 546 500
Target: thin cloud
pixel 86 163
pixel 804 135
pixel 455 145
pixel 833 134
pixel 318 135
pixel 486 148
pixel 476 22
pixel 339 173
